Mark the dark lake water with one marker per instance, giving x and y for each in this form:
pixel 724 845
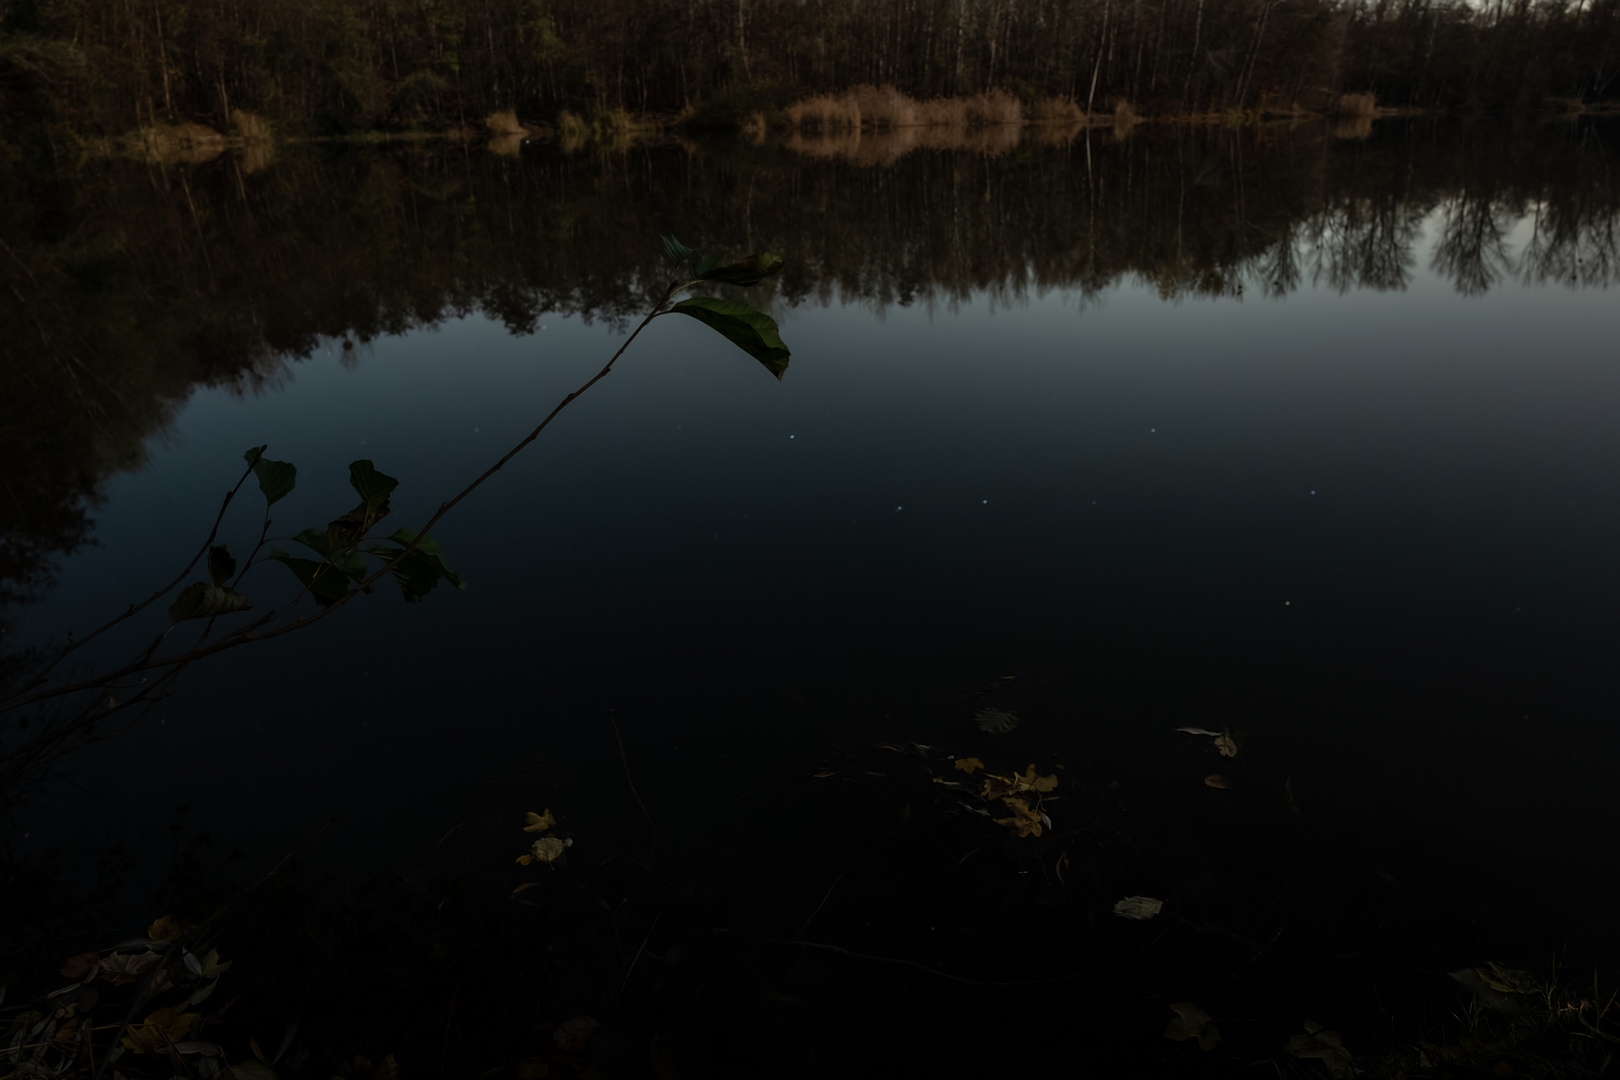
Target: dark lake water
pixel 1311 438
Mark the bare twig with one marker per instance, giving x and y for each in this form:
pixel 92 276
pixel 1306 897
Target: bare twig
pixel 623 757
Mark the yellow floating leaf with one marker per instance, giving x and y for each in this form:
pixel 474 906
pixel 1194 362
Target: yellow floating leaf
pixel 1026 821
pixel 995 787
pixel 1505 980
pixel 212 966
pixel 1191 1022
pixel 1226 745
pixel 159 1030
pixel 1217 781
pixel 1030 782
pixel 164 929
pixel 968 764
pixel 539 822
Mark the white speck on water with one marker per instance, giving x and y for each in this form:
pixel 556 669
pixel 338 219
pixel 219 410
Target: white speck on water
pixel 1151 430
pixel 793 436
pixel 1288 603
pixel 898 509
pixel 475 431
pixel 1313 491
pixel 986 502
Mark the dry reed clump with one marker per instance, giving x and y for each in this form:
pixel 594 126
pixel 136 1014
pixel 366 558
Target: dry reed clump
pixel 187 142
pixel 504 122
pixel 1124 112
pixel 996 107
pixel 879 108
pixel 249 127
pixel 1056 111
pixel 1355 105
pixel 828 112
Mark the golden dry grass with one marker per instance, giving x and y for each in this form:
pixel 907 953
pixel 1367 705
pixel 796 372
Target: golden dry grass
pixel 1355 105
pixel 884 108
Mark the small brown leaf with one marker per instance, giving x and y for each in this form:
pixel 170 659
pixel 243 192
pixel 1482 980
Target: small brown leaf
pixel 164 929
pixel 1226 745
pixel 968 764
pixel 574 1034
pixel 823 775
pixel 1217 781
pixel 80 967
pixel 159 1030
pixel 539 822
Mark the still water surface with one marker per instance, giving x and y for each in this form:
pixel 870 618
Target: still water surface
pixel 1309 438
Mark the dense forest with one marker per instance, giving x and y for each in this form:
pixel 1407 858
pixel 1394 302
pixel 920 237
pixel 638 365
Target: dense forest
pixel 109 66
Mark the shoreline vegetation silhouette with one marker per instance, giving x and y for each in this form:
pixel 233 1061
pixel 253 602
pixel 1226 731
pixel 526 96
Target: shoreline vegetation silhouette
pixel 172 78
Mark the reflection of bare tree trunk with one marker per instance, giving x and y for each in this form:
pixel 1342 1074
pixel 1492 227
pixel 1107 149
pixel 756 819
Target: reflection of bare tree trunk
pixel 742 40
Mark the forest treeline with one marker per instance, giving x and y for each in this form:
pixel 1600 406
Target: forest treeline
pixel 105 67
pixel 131 285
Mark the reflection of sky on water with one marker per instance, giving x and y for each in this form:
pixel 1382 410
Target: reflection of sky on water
pixel 1381 517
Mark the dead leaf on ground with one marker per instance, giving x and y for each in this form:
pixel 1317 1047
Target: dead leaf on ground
pixel 159 1030
pixel 572 1035
pixel 1226 744
pixel 1191 1022
pixel 539 822
pixel 1325 1045
pixel 164 929
pixel 968 764
pixel 1138 907
pixel 80 967
pixel 996 721
pixel 1217 781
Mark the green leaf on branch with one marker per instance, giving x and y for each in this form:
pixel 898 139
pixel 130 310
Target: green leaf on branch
pixel 220 564
pixel 374 487
pixel 675 251
pixel 345 559
pixel 419 571
pixel 754 332
pixel 276 478
pixel 327 588
pixel 204 600
pixel 750 271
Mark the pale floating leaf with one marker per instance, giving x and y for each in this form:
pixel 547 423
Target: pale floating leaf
pixel 1325 1046
pixel 1191 1022
pixel 539 822
pixel 1138 907
pixel 1217 781
pixel 968 764
pixel 996 721
pixel 1198 731
pixel 1226 745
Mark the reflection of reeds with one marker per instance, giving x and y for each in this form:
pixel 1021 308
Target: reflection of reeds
pixel 887 146
pixel 1352 127
pixel 572 131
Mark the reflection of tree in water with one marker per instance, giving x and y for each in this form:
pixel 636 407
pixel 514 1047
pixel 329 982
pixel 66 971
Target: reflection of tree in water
pixel 1472 248
pixel 136 285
